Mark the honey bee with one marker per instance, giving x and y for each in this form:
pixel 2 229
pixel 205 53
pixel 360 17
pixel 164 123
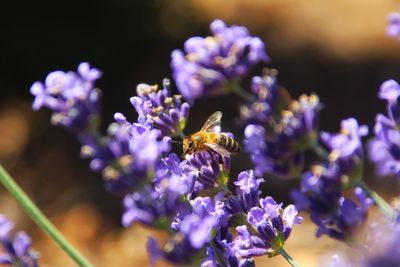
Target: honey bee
pixel 209 139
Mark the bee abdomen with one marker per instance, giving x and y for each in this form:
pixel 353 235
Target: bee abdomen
pixel 229 143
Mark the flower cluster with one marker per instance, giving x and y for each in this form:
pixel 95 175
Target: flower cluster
pixel 190 198
pixel 158 108
pixel 277 146
pixel 208 224
pixel 265 106
pixel 72 97
pixel 385 147
pixel 126 155
pixel 208 64
pixel 321 191
pixel 16 251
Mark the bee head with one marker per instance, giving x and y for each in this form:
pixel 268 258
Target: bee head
pixel 188 145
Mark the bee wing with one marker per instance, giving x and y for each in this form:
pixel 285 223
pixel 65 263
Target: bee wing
pixel 213 123
pixel 218 149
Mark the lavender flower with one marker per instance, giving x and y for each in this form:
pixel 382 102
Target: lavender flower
pixel 264 108
pixel 163 111
pixel 193 232
pixel 152 207
pixel 72 97
pixel 247 193
pixel 207 169
pixel 393 28
pixel 16 252
pixel 346 147
pixel 279 149
pixel 321 195
pixel 127 155
pixel 207 64
pixel 384 148
pixel 272 225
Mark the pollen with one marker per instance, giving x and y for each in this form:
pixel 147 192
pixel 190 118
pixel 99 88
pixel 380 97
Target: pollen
pixel 125 161
pixel 334 155
pixel 110 173
pixel 87 151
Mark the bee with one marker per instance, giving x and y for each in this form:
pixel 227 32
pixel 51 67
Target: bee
pixel 210 139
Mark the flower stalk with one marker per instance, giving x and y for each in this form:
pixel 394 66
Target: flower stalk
pixel 288 258
pixel 40 219
pixel 385 208
pixel 238 90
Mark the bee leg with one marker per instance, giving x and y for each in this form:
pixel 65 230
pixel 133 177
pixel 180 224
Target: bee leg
pixel 211 155
pixel 220 159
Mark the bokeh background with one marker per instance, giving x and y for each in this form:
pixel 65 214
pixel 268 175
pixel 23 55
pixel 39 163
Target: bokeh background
pixel 337 49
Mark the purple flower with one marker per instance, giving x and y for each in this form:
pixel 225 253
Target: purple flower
pixel 273 225
pixel 393 28
pixel 72 98
pixel 247 193
pixel 171 171
pixel 384 149
pixel 264 108
pixel 162 202
pixel 346 147
pixel 194 230
pixel 160 109
pixel 126 155
pixel 16 252
pixel 247 245
pixel 274 157
pixel 278 149
pixel 299 123
pixel 206 167
pixel 207 64
pixel 321 195
pixel 152 207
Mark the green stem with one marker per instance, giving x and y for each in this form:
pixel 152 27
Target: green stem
pixel 385 208
pixel 40 219
pixel 287 257
pixel 320 151
pixel 237 89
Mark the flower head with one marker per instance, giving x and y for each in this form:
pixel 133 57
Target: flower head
pixel 207 168
pixel 71 96
pixel 247 193
pixel 272 226
pixel 162 110
pixel 264 108
pixel 207 64
pixel 126 155
pixel 384 149
pixel 271 156
pixel 346 147
pixel 273 223
pixel 193 231
pixel 278 149
pixel 393 28
pixel 321 195
pixel 17 251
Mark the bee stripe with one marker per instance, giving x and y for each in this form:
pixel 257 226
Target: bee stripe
pixel 229 144
pixel 222 140
pixel 235 146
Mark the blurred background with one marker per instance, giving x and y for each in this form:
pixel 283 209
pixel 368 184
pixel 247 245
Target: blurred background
pixel 337 49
